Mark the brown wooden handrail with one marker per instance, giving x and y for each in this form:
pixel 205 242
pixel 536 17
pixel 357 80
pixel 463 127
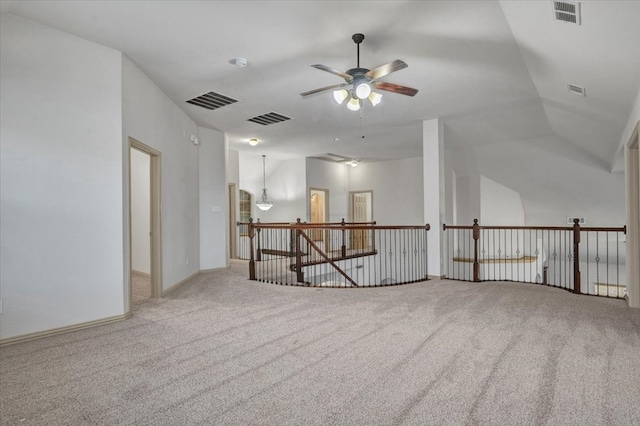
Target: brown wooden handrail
pixel 335 248
pixel 542 228
pixel 323 226
pixel 576 230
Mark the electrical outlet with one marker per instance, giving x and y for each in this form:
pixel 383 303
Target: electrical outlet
pixel 0 306
pixel 187 260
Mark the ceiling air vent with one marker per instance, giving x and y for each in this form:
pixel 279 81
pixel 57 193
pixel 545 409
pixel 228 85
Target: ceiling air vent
pixel 577 90
pixel 212 100
pixel 567 11
pixel 270 118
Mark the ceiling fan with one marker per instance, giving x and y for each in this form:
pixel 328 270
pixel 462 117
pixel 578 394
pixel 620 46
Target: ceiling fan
pixel 360 82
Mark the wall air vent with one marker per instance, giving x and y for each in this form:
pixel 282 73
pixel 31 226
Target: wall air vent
pixel 577 90
pixel 581 220
pixel 567 11
pixel 212 100
pixel 270 118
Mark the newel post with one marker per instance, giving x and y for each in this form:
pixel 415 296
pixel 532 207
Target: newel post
pixel 259 244
pixel 373 236
pixel 299 273
pixel 576 256
pixel 252 263
pixel 344 245
pixel 476 237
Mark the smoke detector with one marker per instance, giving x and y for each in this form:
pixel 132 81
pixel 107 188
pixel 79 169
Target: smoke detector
pixel 239 62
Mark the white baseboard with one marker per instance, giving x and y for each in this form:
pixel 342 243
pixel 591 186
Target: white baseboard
pixel 222 268
pixel 180 284
pixel 61 330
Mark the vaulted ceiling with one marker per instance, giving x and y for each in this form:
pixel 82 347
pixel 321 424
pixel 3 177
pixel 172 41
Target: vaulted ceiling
pixel 495 72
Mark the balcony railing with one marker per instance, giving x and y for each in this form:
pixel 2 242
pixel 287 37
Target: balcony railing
pixel 585 260
pixel 338 254
pixel 242 248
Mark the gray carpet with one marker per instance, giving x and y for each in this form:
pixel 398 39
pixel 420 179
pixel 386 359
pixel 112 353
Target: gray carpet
pixel 224 350
pixel 140 289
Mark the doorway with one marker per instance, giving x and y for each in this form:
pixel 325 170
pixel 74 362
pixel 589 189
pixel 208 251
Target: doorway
pixel 360 210
pixel 145 279
pixel 318 211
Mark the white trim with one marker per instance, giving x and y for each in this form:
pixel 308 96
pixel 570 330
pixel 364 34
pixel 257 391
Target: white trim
pixel 180 284
pixel 62 330
pixel 632 175
pixel 222 268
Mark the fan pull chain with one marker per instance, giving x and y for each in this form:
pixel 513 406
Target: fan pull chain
pixel 361 119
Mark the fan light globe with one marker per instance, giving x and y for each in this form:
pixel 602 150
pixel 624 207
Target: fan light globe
pixel 363 90
pixel 354 104
pixel 340 95
pixel 375 98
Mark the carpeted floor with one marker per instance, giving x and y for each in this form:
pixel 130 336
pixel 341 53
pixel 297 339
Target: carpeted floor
pixel 223 350
pixel 140 288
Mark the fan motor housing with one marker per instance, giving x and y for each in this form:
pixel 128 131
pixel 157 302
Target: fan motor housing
pixel 356 73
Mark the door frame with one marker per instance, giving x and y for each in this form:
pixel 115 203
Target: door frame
pixel 315 234
pixel 632 172
pixel 359 239
pixel 351 198
pixel 233 218
pixel 326 202
pixel 155 266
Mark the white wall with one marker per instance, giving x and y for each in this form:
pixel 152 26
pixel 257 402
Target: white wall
pixel 286 186
pixel 333 177
pixel 396 185
pixel 150 117
pixel 61 186
pixel 468 202
pixel 233 166
pixel 140 211
pixel 397 189
pixel 634 116
pixel 461 165
pixel 499 205
pixel 214 200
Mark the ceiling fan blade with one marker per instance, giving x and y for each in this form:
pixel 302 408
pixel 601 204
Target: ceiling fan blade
pixel 322 89
pixel 395 88
pixel 334 71
pixel 386 69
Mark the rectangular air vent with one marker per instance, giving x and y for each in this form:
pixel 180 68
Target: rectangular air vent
pixel 581 220
pixel 212 100
pixel 567 11
pixel 577 90
pixel 270 118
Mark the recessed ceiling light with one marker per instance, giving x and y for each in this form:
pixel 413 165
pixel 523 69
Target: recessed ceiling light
pixel 253 141
pixel 239 62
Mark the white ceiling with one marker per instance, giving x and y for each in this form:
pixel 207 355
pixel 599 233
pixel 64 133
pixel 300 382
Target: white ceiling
pixel 495 72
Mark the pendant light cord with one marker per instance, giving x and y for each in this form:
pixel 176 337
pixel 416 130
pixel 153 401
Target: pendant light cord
pixel 264 179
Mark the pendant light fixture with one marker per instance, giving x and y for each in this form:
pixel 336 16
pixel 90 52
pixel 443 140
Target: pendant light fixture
pixel 264 204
